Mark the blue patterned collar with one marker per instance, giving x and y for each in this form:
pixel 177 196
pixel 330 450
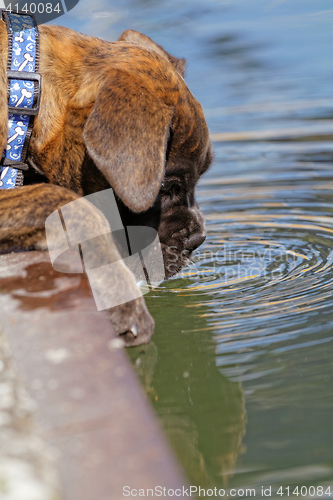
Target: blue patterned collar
pixel 24 94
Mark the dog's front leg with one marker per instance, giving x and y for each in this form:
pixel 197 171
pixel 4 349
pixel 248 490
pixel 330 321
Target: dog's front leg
pixel 23 212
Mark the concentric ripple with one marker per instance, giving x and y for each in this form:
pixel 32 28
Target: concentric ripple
pixel 266 269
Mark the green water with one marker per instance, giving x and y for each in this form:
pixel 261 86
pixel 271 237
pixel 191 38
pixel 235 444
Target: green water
pixel 240 367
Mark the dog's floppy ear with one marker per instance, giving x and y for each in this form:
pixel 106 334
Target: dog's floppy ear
pixel 137 38
pixel 126 135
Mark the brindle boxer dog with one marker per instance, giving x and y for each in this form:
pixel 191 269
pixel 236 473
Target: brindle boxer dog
pixel 112 114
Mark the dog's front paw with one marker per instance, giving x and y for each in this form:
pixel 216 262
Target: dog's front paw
pixel 132 322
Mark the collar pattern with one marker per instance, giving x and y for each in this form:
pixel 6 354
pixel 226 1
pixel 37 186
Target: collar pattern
pixel 24 94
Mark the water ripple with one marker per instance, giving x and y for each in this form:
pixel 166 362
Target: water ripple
pixel 266 268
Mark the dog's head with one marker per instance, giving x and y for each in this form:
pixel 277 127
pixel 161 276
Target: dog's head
pixel 148 136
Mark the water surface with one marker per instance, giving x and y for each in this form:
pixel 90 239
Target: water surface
pixel 240 367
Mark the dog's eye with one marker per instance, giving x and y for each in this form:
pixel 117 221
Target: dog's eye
pixel 170 189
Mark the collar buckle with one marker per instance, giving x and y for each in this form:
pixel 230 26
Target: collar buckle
pixel 25 75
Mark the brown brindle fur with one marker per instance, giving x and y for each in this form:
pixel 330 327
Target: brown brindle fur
pixel 112 114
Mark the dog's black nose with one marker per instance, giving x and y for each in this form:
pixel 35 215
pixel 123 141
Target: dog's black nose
pixel 195 241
